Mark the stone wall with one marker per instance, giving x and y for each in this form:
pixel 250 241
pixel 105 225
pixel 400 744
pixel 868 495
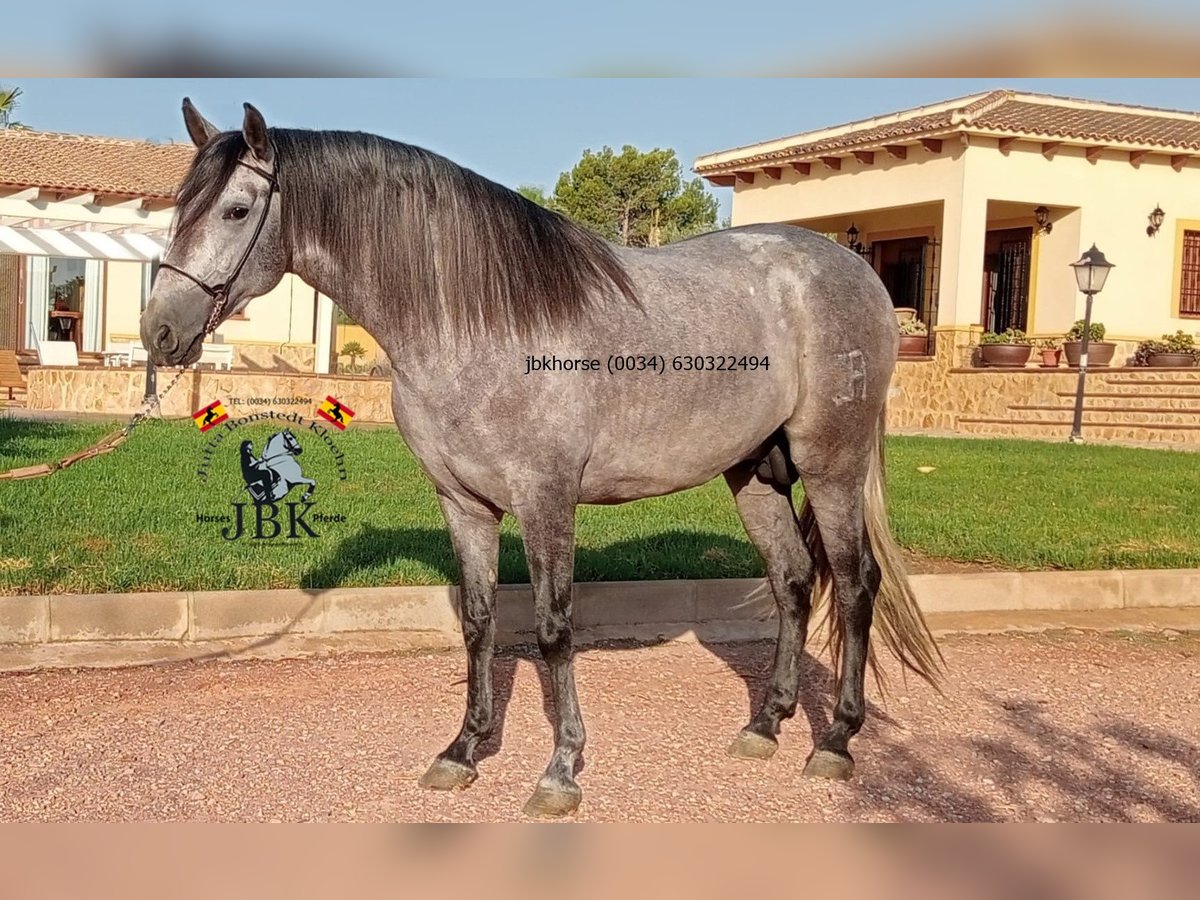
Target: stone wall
pixel 120 391
pixel 949 394
pixel 930 394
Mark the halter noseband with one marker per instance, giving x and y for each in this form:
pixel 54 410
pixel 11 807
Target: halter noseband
pixel 220 292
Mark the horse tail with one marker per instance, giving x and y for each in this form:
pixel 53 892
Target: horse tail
pixel 897 618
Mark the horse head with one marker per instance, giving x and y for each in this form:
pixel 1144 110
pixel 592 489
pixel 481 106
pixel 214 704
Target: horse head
pixel 291 444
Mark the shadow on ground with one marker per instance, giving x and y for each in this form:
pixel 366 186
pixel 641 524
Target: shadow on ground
pixel 674 553
pixel 1033 756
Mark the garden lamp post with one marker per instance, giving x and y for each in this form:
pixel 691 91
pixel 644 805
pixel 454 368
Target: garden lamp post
pixel 151 375
pixel 1091 271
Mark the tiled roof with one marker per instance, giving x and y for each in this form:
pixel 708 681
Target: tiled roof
pixel 75 162
pixel 1031 115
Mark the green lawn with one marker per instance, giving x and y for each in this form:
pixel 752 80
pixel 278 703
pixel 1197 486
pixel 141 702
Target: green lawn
pixel 127 521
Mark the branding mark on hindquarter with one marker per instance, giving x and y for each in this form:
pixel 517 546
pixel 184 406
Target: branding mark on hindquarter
pixel 854 371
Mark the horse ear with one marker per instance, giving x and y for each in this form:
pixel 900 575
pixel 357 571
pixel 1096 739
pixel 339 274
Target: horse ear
pixel 199 129
pixel 254 130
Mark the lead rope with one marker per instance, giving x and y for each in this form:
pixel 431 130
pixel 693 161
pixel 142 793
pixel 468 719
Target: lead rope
pixel 106 444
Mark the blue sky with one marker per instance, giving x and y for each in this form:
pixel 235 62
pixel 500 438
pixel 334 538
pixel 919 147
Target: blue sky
pixel 524 38
pixel 520 131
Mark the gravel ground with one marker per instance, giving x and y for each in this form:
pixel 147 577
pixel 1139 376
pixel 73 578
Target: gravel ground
pixel 1058 726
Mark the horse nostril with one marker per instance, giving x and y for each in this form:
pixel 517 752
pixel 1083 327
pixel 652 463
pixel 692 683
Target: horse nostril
pixel 166 339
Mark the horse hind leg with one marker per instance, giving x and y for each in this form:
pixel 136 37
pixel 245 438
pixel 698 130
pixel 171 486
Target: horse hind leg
pixel 764 501
pixel 837 505
pixel 845 519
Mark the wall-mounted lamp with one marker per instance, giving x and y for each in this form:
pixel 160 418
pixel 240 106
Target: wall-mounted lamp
pixel 853 243
pixel 1042 216
pixel 1156 220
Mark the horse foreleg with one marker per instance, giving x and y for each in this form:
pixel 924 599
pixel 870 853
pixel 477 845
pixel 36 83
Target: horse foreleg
pixel 475 534
pixel 548 530
pixel 309 487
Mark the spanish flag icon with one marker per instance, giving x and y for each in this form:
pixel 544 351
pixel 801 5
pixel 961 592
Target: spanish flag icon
pixel 335 413
pixel 213 414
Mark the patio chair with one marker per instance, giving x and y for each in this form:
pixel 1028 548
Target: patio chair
pixel 137 354
pixel 55 353
pixel 219 354
pixel 10 373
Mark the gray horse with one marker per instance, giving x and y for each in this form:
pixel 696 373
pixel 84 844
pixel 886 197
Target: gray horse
pixel 272 476
pixel 763 353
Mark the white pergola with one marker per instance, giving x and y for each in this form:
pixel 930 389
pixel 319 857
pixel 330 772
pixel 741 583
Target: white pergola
pixel 115 232
pixel 60 238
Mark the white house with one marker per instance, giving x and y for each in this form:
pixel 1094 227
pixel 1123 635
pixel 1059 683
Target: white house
pixel 81 219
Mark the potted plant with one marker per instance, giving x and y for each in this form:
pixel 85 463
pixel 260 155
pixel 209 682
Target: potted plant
pixel 1100 351
pixel 905 313
pixel 1051 352
pixel 913 337
pixel 1176 350
pixel 1006 349
pixel 354 350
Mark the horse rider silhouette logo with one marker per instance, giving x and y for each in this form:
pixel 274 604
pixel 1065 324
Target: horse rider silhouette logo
pixel 268 479
pixel 273 475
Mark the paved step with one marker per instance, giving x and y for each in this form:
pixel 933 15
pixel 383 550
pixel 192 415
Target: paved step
pixel 1130 412
pixel 1133 399
pixel 1093 429
pixel 1098 417
pixel 1147 376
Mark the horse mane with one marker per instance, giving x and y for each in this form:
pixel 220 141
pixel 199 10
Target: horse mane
pixel 450 252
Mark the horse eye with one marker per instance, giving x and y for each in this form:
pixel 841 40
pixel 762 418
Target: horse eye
pixel 237 213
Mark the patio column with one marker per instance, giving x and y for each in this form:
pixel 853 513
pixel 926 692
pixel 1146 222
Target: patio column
pixel 324 335
pixel 964 229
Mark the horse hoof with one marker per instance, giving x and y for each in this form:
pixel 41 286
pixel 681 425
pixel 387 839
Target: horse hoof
pixel 552 800
pixel 446 775
pixel 827 764
pixel 750 745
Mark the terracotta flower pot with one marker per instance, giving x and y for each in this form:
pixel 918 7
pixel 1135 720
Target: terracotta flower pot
pixel 1100 353
pixel 913 344
pixel 1171 360
pixel 1050 358
pixel 905 313
pixel 1005 355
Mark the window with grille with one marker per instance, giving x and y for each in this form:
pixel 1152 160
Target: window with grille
pixel 1189 275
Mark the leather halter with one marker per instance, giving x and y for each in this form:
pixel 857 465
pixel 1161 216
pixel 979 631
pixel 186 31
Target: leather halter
pixel 220 292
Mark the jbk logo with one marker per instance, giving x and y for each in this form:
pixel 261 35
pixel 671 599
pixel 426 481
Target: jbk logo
pixel 276 499
pixel 268 520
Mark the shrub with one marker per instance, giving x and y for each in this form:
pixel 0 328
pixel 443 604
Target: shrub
pixel 1179 342
pixel 1008 336
pixel 1095 333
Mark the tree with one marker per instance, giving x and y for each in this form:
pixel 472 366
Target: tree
pixel 8 105
pixel 536 194
pixel 635 199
